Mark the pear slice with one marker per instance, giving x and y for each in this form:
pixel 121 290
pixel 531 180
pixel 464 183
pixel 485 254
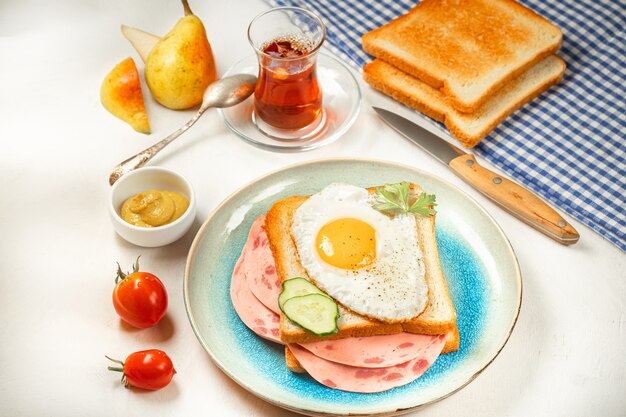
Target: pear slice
pixel 121 95
pixel 142 41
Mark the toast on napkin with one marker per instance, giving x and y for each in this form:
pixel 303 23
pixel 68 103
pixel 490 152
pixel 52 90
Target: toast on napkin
pixel 439 317
pixel 469 129
pixel 467 49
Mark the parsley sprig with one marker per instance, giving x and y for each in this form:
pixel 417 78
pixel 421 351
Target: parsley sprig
pixel 395 198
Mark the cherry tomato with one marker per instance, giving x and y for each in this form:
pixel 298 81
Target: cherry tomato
pixel 147 369
pixel 139 298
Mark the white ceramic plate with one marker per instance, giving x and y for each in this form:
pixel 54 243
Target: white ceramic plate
pixel 478 262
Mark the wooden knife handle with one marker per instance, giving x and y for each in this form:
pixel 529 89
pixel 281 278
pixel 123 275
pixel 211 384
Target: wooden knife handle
pixel 515 199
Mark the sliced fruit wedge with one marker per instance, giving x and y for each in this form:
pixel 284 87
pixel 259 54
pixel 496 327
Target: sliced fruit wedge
pixel 142 41
pixel 121 95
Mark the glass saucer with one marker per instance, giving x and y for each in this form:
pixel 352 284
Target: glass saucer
pixel 342 102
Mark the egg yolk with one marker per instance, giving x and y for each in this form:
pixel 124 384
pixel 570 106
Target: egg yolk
pixel 347 243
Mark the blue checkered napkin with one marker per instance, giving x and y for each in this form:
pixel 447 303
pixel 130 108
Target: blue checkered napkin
pixel 568 145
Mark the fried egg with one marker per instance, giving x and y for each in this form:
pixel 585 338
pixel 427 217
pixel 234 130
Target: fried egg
pixel 367 261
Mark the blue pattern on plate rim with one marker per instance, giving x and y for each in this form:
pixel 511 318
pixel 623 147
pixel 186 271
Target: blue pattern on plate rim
pixel 468 288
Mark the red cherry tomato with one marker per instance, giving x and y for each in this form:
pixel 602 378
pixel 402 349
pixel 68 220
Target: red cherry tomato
pixel 147 369
pixel 139 298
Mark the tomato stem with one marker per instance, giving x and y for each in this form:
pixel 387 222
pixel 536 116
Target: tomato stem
pixel 114 360
pixel 121 275
pixel 118 369
pixel 136 265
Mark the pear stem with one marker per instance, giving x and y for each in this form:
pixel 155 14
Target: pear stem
pixel 187 8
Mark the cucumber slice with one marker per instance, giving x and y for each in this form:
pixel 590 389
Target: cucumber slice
pixel 316 313
pixel 295 287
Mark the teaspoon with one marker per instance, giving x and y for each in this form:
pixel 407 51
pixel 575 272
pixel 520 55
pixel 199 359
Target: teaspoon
pixel 225 92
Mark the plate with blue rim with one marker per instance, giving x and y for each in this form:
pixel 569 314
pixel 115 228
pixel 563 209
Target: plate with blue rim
pixel 478 262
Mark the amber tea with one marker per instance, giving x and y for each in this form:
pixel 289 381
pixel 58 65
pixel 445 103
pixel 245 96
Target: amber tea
pixel 287 94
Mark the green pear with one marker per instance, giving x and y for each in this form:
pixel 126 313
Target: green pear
pixel 181 66
pixel 143 42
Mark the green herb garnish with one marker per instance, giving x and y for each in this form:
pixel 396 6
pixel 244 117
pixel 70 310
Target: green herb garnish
pixel 395 198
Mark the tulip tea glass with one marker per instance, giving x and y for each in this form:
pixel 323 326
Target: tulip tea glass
pixel 288 96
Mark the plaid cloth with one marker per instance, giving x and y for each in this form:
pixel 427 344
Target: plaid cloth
pixel 568 145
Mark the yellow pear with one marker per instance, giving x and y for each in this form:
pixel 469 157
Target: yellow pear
pixel 181 65
pixel 121 95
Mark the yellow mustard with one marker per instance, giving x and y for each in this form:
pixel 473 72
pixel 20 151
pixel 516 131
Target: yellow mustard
pixel 154 208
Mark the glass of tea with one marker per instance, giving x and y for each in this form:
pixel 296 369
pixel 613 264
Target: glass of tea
pixel 287 97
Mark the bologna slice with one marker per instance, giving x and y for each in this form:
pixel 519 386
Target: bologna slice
pixel 361 364
pixel 260 319
pixel 373 351
pixel 366 380
pixel 260 268
pixel 367 352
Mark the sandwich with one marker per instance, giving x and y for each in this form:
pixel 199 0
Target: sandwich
pixel 468 63
pixel 349 281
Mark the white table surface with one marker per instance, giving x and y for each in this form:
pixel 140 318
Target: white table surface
pixel 567 354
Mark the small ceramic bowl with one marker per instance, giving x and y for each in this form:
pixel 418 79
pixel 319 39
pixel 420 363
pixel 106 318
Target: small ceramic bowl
pixel 144 179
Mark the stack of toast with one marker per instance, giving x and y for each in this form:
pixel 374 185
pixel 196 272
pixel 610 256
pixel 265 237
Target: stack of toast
pixel 466 63
pixel 439 317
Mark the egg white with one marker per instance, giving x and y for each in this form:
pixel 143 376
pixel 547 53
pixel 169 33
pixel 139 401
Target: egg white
pixel 392 288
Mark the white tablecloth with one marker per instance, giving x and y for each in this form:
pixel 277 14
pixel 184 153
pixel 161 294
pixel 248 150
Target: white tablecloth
pixel 58 248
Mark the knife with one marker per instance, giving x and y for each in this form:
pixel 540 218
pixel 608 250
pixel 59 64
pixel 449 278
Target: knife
pixel 511 196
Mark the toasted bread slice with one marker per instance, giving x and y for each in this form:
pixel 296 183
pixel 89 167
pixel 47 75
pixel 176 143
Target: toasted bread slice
pixel 469 129
pixel 452 345
pixel 292 363
pixel 438 318
pixel 468 49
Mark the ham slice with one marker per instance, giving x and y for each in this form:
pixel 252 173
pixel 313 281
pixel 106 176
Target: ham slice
pixel 366 380
pixel 259 267
pixel 373 351
pixel 358 364
pixel 367 352
pixel 260 319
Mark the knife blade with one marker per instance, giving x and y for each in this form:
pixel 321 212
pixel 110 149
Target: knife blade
pixel 509 195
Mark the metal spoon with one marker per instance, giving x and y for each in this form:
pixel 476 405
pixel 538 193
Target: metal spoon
pixel 225 92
